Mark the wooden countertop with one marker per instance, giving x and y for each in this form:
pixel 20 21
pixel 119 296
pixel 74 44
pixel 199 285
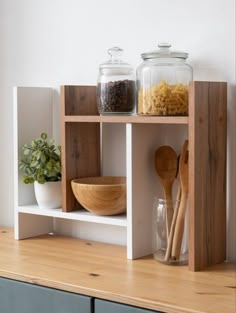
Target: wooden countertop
pixel 102 271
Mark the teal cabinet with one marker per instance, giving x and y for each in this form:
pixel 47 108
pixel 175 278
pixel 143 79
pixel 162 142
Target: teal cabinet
pixel 102 306
pixel 18 297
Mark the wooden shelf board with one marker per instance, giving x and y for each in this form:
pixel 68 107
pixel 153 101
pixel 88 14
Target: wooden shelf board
pixel 80 215
pixel 127 119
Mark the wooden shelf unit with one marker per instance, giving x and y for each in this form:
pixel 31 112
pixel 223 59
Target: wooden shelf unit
pixel 207 153
pixel 82 140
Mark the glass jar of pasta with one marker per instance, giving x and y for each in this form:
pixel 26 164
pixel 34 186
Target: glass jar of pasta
pixel 163 81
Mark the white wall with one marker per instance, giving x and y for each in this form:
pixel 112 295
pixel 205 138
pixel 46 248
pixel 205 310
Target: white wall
pixel 48 43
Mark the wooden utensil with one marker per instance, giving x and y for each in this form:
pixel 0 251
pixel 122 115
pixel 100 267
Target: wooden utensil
pixel 166 163
pixel 179 227
pixel 172 229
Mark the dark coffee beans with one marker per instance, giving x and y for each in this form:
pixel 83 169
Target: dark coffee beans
pixel 117 96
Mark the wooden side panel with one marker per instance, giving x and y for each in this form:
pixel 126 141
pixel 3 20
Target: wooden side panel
pixel 207 184
pixel 80 100
pixel 80 141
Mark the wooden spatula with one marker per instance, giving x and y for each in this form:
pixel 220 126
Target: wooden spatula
pixel 179 227
pixel 166 163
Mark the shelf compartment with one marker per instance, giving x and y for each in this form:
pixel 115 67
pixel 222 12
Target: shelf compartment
pixel 80 142
pixel 80 215
pixel 80 158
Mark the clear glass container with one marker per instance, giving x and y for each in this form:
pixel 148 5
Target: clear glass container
pixel 163 81
pixel 116 85
pixel 161 243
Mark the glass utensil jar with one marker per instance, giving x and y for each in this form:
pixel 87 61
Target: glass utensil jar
pixel 116 85
pixel 161 251
pixel 163 80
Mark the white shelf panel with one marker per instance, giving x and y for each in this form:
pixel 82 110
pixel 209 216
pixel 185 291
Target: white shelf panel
pixel 80 215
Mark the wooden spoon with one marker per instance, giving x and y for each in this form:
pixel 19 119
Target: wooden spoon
pixel 179 227
pixel 166 163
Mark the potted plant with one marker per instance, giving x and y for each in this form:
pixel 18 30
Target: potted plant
pixel 41 165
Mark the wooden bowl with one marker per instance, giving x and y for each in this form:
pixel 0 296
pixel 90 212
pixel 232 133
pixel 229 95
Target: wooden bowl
pixel 105 195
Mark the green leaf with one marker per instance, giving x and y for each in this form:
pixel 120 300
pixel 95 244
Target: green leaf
pixel 26 151
pixel 38 154
pixel 44 136
pixel 49 166
pixel 34 163
pixel 43 157
pixel 27 179
pixel 28 170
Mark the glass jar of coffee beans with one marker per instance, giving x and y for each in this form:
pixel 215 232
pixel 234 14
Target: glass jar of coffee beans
pixel 116 85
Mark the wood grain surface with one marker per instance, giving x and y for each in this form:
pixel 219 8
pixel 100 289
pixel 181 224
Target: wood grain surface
pixel 80 141
pixel 103 271
pixel 207 176
pixel 180 220
pixel 207 159
pixel 128 119
pixel 103 195
pixel 166 164
pixel 80 100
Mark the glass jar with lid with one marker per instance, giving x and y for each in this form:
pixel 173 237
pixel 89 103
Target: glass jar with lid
pixel 116 85
pixel 163 80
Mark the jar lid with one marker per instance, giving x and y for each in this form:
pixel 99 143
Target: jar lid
pixel 164 52
pixel 115 65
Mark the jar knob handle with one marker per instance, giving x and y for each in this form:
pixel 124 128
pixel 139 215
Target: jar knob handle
pixel 115 53
pixel 164 47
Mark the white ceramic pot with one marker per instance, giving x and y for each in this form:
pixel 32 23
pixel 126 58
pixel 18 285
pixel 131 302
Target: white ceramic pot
pixel 48 195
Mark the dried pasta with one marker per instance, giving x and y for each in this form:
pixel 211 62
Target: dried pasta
pixel 163 99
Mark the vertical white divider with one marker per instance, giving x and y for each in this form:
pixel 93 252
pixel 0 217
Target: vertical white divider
pixel 129 190
pixel 32 114
pixel 142 186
